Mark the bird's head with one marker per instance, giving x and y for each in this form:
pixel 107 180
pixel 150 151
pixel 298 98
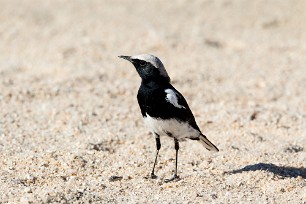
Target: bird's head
pixel 148 67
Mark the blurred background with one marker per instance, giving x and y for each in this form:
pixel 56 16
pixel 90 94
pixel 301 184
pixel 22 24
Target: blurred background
pixel 64 94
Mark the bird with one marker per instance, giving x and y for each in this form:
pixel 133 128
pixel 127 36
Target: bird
pixel 164 109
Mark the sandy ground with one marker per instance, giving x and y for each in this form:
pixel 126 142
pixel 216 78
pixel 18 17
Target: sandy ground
pixel 70 120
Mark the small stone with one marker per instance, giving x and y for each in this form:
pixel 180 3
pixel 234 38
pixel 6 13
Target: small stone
pixel 115 178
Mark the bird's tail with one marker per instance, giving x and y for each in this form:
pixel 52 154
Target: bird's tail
pixel 207 144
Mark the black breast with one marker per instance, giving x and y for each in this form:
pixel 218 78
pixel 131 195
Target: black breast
pixel 152 101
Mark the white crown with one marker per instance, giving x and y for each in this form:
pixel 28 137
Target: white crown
pixel 154 61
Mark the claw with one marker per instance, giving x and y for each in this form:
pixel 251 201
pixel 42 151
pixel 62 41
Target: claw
pixel 153 176
pixel 174 177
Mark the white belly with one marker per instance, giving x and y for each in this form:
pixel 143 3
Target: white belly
pixel 177 129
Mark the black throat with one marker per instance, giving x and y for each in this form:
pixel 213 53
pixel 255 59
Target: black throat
pixel 155 82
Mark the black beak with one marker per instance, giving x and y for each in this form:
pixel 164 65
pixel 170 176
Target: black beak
pixel 128 58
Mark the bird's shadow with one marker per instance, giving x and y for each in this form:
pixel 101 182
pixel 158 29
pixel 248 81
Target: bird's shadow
pixel 283 171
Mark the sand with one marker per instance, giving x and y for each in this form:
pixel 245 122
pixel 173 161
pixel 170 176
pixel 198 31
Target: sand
pixel 70 126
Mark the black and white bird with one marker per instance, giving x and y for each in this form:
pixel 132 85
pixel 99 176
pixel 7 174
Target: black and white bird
pixel 164 109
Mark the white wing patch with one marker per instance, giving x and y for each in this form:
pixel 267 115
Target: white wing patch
pixel 171 97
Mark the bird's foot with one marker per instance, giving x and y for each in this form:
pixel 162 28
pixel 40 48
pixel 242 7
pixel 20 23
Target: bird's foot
pixel 153 176
pixel 174 177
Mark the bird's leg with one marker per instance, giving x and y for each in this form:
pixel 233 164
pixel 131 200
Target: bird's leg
pixel 153 176
pixel 177 147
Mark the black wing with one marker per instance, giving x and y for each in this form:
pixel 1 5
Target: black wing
pixel 165 103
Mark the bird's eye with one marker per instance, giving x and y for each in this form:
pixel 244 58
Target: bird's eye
pixel 142 64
